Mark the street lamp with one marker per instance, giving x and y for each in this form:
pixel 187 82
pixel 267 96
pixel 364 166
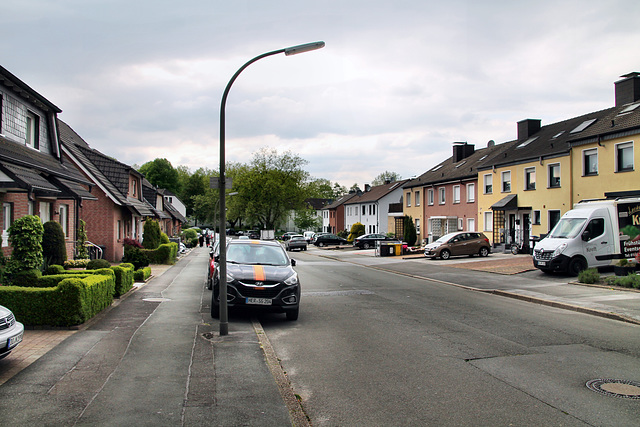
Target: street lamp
pixel 224 315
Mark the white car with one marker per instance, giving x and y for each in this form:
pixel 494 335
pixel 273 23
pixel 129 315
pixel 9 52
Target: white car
pixel 11 331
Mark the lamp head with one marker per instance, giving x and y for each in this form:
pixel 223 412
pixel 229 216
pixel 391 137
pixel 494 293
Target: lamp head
pixel 294 50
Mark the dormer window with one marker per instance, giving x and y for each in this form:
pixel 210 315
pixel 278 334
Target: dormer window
pixel 32 130
pixel 134 188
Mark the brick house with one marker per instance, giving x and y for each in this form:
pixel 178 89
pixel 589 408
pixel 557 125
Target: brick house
pixel 169 216
pixel 120 208
pixel 333 214
pixel 35 179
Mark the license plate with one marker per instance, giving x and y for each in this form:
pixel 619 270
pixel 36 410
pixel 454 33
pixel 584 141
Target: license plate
pixel 258 301
pixel 542 263
pixel 14 341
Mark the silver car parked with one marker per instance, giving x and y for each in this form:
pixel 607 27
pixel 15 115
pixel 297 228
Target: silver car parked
pixel 11 331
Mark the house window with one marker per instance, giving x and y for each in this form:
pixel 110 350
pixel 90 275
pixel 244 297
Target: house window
pixel 460 224
pixel 536 217
pixel 488 221
pixel 471 193
pixel 134 188
pixel 530 179
pixel 119 229
pixel 554 217
pixel 417 198
pixel 430 196
pixel 417 225
pixel 471 224
pixel 409 199
pixel 33 130
pixel 364 210
pixel 7 220
pixel 45 212
pixel 624 157
pixel 554 175
pixel 442 199
pixel 506 181
pixel 488 183
pixel 456 194
pixel 373 208
pixel 64 219
pixel 590 162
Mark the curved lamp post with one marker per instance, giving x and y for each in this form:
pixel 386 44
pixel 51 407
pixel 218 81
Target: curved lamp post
pixel 224 315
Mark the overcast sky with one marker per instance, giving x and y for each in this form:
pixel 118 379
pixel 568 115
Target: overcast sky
pixel 397 83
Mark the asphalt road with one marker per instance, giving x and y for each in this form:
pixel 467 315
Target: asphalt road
pixel 376 348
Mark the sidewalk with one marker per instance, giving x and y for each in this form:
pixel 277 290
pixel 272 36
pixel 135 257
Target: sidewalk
pixel 37 342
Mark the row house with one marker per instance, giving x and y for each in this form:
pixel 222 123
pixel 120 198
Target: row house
pixel 527 188
pixel 315 206
pixel 333 215
pixel 371 207
pixel 444 199
pixel 169 217
pixel 35 178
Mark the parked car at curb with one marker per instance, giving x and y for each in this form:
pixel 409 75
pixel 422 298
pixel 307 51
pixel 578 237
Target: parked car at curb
pixel 458 243
pixel 297 241
pixel 367 241
pixel 11 332
pixel 329 239
pixel 308 236
pixel 260 276
pixel 286 236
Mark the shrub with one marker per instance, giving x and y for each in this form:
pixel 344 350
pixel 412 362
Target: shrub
pixel 410 235
pixel 190 234
pixel 54 249
pixel 165 254
pixel 27 278
pixel 357 229
pixel 151 234
pixel 142 274
pixel 131 243
pixel 164 239
pixel 54 269
pixel 589 276
pixel 137 257
pixel 95 264
pixel 25 235
pixel 631 280
pixel 124 278
pixel 76 263
pixel 82 252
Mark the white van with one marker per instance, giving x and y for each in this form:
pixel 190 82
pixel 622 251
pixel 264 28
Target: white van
pixel 309 235
pixel 594 233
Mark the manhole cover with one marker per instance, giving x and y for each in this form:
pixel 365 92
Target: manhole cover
pixel 616 388
pixel 156 299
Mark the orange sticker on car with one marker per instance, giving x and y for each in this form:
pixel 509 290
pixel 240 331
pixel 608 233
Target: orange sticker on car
pixel 258 273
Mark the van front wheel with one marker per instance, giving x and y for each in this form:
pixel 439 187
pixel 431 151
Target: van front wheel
pixel 576 265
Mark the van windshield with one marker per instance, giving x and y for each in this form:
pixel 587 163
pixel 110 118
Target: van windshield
pixel 567 228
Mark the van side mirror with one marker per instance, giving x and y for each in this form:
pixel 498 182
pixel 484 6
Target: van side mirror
pixel 586 236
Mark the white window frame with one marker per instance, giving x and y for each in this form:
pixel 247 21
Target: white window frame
pixel 471 193
pixel 44 211
pixel 417 200
pixel 488 221
pixel 460 224
pixel 417 221
pixel 487 181
pixel 550 167
pixel 537 217
pixel 471 224
pixel 505 181
pixel 588 153
pixel 7 220
pixel 442 195
pixel 529 172
pixel 32 133
pixel 409 199
pixel 64 219
pixel 623 146
pixel 430 198
pixel 456 194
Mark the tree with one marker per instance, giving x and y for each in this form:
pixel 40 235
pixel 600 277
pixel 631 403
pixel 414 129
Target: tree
pixel 410 235
pixel 25 235
pixel 54 250
pixel 272 186
pixel 196 184
pixel 307 219
pixel 82 252
pixel 151 234
pixel 385 177
pixel 161 173
pixel 338 191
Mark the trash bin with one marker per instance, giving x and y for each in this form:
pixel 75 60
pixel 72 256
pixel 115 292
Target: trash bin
pixel 388 248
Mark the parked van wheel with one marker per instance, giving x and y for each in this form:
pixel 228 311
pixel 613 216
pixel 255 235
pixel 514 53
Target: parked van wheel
pixel 576 265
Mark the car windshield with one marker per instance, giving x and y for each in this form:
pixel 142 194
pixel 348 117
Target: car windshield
pixel 567 228
pixel 445 238
pixel 256 254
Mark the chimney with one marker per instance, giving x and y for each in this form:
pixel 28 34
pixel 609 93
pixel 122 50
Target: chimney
pixel 528 127
pixel 628 89
pixel 367 188
pixel 462 150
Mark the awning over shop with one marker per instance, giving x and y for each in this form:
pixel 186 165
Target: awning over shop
pixel 509 202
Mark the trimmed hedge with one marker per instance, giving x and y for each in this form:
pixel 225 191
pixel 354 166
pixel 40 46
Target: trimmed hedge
pixel 142 275
pixel 164 254
pixel 73 301
pixel 124 278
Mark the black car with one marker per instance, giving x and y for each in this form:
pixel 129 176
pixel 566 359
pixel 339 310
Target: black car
pixel 259 276
pixel 367 241
pixel 329 239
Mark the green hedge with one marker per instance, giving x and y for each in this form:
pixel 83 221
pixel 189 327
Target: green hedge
pixel 73 301
pixel 124 278
pixel 165 254
pixel 142 275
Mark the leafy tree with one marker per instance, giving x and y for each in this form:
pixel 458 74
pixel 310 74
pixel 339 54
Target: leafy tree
pixel 25 235
pixel 307 219
pixel 162 174
pixel 82 252
pixel 271 186
pixel 410 235
pixel 54 249
pixel 196 184
pixel 354 187
pixel 319 188
pixel 151 234
pixel 338 191
pixel 384 177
